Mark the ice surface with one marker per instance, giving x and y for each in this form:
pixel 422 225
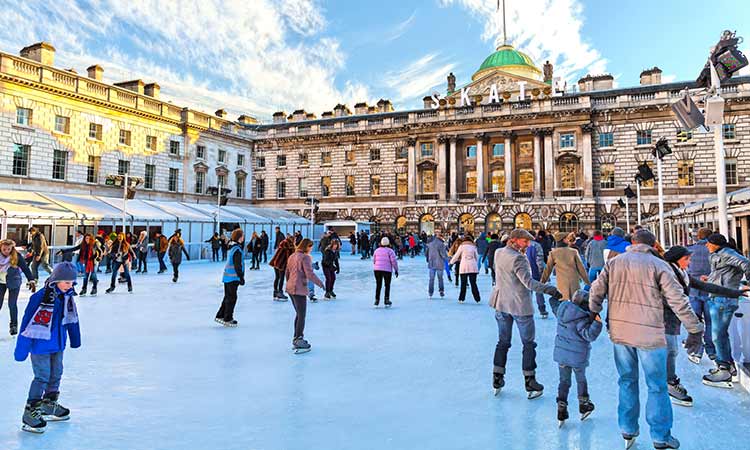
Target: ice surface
pixel 156 372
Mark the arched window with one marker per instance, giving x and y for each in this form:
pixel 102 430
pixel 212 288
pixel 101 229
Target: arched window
pixel 568 222
pixel 374 225
pixel 609 221
pixel 427 224
pixel 493 223
pixel 401 224
pixel 522 220
pixel 466 223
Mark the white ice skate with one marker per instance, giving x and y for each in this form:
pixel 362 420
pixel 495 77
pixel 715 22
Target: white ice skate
pixel 629 440
pixel 694 358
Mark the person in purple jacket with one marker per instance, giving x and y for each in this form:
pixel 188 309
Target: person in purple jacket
pixel 50 318
pixel 384 264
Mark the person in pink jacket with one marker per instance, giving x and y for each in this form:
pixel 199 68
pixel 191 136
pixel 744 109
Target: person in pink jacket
pixel 298 272
pixel 384 263
pixel 468 268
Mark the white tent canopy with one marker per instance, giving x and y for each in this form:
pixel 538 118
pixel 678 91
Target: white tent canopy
pixel 27 205
pixel 140 211
pixel 182 212
pixel 86 206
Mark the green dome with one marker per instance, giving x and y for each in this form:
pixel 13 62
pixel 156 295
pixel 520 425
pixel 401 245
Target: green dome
pixel 512 61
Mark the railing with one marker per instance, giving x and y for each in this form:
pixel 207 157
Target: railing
pixel 465 110
pixel 374 122
pixel 399 120
pixel 597 101
pixel 494 107
pixel 326 126
pixel 494 195
pixel 63 78
pixel 642 97
pixel 351 124
pixel 26 68
pixel 427 115
pixel 565 101
pixel 729 89
pixel 568 193
pixel 522 195
pixel 426 196
pixel 522 104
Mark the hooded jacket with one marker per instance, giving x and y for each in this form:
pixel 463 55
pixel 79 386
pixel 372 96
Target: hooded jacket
pixel 727 268
pixel 283 252
pixel 59 333
pixel 436 254
pixel 576 329
pixel 616 246
pixel 595 252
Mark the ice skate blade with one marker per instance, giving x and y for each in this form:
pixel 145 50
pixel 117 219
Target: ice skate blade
pixel 560 423
pixel 679 402
pixel 534 394
pixel 694 359
pixel 586 415
pixel 219 321
pixel 299 351
pixel 56 419
pixel 496 391
pixel 629 443
pixel 719 384
pixel 30 429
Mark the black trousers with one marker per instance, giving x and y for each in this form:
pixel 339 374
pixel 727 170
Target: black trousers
pixel 256 259
pixel 160 257
pixel 142 261
pixel 470 278
pixel 300 307
pixel 278 281
pixel 455 272
pixel 214 254
pixel 226 311
pixel 176 269
pixel 382 277
pixel 265 255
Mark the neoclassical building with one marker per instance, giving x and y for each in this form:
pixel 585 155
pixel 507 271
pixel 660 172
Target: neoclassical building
pixel 510 148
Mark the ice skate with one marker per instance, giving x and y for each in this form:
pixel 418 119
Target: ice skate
pixel 585 408
pixel 327 296
pixel 110 290
pixel 282 296
pixel 671 443
pixel 333 294
pixel 93 290
pixel 219 320
pixel 498 383
pixel 174 279
pixel 460 301
pixel 83 292
pixel 562 413
pixel 130 288
pixel 720 378
pixel 230 323
pixel 313 298
pixel 533 388
pixel 678 394
pixel 377 303
pixel 300 346
pixel 53 411
pixel 442 294
pixel 544 315
pixel 388 303
pixel 694 358
pixel 733 372
pixel 13 329
pixel 32 418
pixel 629 439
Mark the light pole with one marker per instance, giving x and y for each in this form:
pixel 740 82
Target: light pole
pixel 124 200
pixel 313 202
pixel 661 201
pixel 638 200
pixel 129 184
pixel 218 209
pixel 721 174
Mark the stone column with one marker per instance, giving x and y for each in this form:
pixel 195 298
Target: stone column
pixel 508 159
pixel 549 165
pixel 588 161
pixel 453 178
pixel 537 164
pixel 442 167
pixel 412 170
pixel 480 165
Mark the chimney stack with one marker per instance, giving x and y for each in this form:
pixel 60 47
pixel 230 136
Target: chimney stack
pixel 651 76
pixel 360 108
pixel 95 72
pixel 221 113
pixel 385 106
pixel 341 110
pixel 247 120
pixel 152 90
pixel 41 52
pixel 427 102
pixel 279 117
pixel 132 85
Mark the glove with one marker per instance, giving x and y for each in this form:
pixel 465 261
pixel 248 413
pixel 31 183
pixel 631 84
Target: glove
pixel 316 266
pixel 693 342
pixel 31 285
pixel 396 274
pixel 242 281
pixel 337 271
pixel 557 295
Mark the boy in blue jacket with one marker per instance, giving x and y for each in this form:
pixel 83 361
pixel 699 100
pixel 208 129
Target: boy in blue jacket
pixel 577 327
pixel 51 316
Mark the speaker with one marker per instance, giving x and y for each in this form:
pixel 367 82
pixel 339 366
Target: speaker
pixel 714 111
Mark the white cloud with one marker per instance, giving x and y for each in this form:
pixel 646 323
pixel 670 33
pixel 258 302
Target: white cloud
pixel 544 29
pixel 401 28
pixel 418 78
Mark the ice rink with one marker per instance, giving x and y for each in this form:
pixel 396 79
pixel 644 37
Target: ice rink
pixel 156 372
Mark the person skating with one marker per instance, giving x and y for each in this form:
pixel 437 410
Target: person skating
pixel 223 245
pixel 594 254
pixel 120 254
pixel 384 264
pixel 331 267
pixel 353 242
pixel 39 253
pixel 89 254
pixel 233 277
pixel 437 257
pixel 176 250
pixel 616 244
pixel 51 317
pixel 255 247
pixel 569 270
pixel 264 245
pixel 700 266
pixel 577 328
pixel 298 272
pixel 635 319
pixel 535 255
pixel 12 265
pixel 511 299
pixel 215 242
pixel 467 258
pixel 453 248
pixel 492 247
pixel 279 238
pixel 141 249
pixel 161 245
pixel 278 262
pixel 482 244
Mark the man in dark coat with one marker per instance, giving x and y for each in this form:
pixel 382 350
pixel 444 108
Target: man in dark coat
pixel 264 245
pixel 279 238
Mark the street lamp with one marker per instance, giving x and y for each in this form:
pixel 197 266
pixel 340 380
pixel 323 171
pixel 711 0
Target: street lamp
pixel 660 151
pixel 221 194
pixel 313 202
pixel 128 185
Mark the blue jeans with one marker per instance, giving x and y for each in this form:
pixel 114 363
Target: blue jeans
pixel 563 388
pixel 310 289
pixel 658 405
pixel 48 370
pixel 540 297
pixel 115 271
pixel 594 272
pixel 722 310
pixel 673 349
pixel 12 302
pixel 698 301
pixel 527 331
pixel 431 286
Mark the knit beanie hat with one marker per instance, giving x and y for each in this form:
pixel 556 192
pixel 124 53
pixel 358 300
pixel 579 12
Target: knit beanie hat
pixel 64 271
pixel 675 253
pixel 581 298
pixel 718 239
pixel 385 242
pixel 617 231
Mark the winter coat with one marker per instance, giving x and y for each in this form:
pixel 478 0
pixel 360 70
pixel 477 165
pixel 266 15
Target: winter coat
pixel 616 246
pixel 39 246
pixel 492 247
pixel 324 242
pixel 481 243
pixel 514 283
pixel 468 257
pixel 576 330
pixel 330 260
pixel 595 253
pixel 436 254
pixel 176 250
pixel 569 271
pixel 283 252
pixel 89 255
pixel 535 255
pixel 163 244
pixel 699 262
pixel 264 241
pixel 234 269
pixel 727 268
pixel 384 259
pixel 298 272
pixel 215 242
pixel 59 333
pixel 279 239
pixel 13 276
pixel 637 284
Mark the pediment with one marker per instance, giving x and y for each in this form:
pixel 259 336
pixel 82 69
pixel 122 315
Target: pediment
pixel 506 82
pixel 200 167
pixel 427 164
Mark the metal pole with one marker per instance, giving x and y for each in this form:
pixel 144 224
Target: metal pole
pixel 721 175
pixel 312 219
pixel 638 194
pixel 627 214
pixel 218 209
pixel 661 201
pixel 124 201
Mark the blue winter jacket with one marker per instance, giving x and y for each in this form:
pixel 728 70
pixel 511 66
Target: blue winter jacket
pixel 59 333
pixel 617 243
pixel 13 278
pixel 575 332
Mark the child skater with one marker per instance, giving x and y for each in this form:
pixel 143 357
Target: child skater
pixel 51 316
pixel 576 329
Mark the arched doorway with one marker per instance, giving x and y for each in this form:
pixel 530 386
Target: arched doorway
pixel 400 224
pixel 427 224
pixel 609 221
pixel 466 223
pixel 568 222
pixel 493 223
pixel 522 220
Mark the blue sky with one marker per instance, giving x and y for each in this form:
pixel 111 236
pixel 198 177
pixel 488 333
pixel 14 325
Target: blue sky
pixel 260 56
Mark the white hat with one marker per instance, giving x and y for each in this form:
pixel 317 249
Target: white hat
pixel 385 242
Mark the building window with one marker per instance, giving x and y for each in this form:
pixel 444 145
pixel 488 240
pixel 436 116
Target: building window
pixel 303 188
pixel 304 159
pixel 685 173
pixel 280 188
pixel 325 158
pixel 240 159
pixel 62 124
pixel 402 184
pixel 240 191
pixel 349 185
pixel 402 153
pixel 174 147
pixel 523 221
pixel 498 150
pixel 200 182
pixel 427 149
pixel 280 160
pixel 260 162
pixel 684 135
pixel 526 180
pixel 607 177
pixel 95 131
pixel 123 167
pixel 221 180
pixel 729 131
pixel 21 160
pixel 568 140
pixel 471 182
pixel 643 137
pixel 23 116
pixel 374 154
pixel 606 139
pixel 173 175
pixel 568 176
pixel 125 137
pixel 350 156
pixel 222 156
pixel 149 175
pixel 374 185
pixel 325 186
pixel 730 165
pixel 471 151
pixel 151 143
pixel 568 222
pixel 59 161
pixel 498 180
pixel 92 169
pixel 260 188
pixel 493 223
pixel 401 224
pixel 200 151
pixel 428 181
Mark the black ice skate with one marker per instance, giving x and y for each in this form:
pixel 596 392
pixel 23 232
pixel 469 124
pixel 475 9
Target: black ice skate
pixel 671 443
pixel 544 315
pixel 300 346
pixel 53 411
pixel 230 323
pixel 32 418
pixel 733 372
pixel 585 408
pixel 533 388
pixel 720 377
pixel 678 394
pixel 498 383
pixel 562 413
pixel 333 294
pixel 629 439
pixel 327 295
pixel 13 329
pixel 219 320
pixel 283 297
pixel 694 358
pixel 174 279
pixel 83 292
pixel 388 303
pixel 110 290
pixel 93 290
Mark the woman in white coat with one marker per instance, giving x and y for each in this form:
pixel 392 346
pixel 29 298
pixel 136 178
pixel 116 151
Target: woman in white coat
pixel 468 268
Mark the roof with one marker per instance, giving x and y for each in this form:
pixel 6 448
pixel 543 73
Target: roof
pixel 510 60
pixel 32 205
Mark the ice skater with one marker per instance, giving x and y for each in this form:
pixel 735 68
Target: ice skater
pixel 233 278
pixel 384 264
pixel 437 260
pixel 120 254
pixel 298 271
pixel 284 250
pixel 577 328
pixel 50 318
pixel 331 267
pixel 12 265
pixel 467 258
pixel 89 255
pixel 176 250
